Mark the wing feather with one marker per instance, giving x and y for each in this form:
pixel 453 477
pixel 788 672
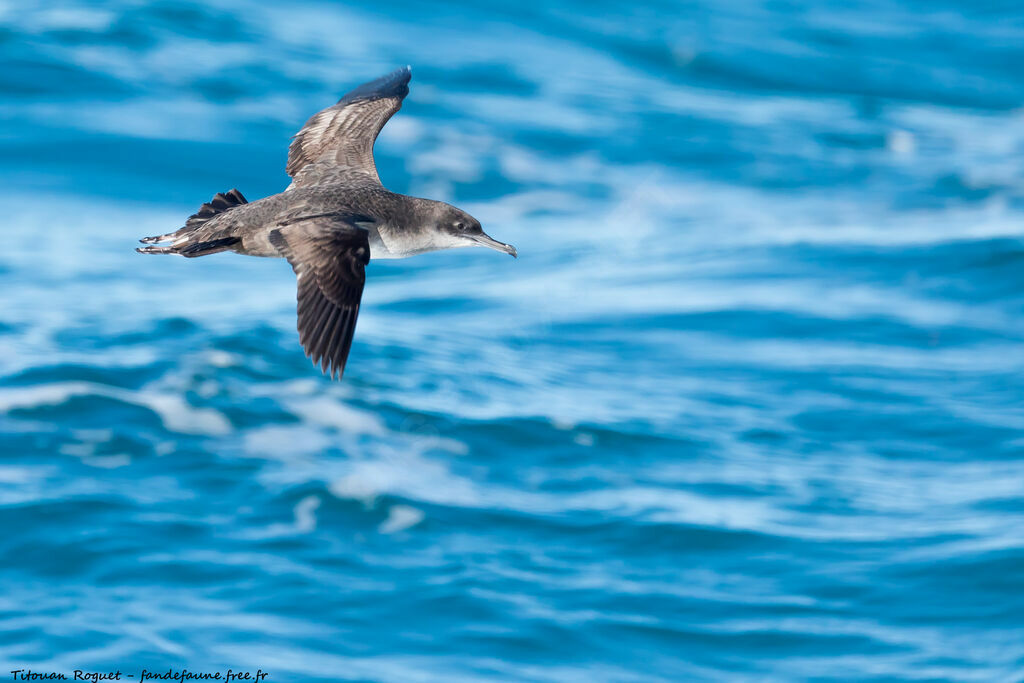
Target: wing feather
pixel 337 142
pixel 329 256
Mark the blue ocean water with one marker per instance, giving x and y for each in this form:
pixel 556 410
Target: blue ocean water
pixel 747 407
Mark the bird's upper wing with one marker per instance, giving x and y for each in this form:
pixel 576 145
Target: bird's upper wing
pixel 328 255
pixel 338 141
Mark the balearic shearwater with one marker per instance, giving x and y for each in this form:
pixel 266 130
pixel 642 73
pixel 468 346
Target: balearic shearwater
pixel 331 219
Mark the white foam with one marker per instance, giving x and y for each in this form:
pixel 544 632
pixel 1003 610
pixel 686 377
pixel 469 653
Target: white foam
pixel 406 473
pixel 305 514
pixel 328 412
pixel 223 359
pixel 584 439
pixel 174 412
pixel 178 416
pixel 42 19
pixel 285 442
pixel 78 450
pixel 19 475
pixel 400 518
pixel 901 142
pixel 355 487
pixel 108 462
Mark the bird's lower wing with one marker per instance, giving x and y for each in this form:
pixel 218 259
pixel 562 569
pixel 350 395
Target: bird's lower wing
pixel 328 255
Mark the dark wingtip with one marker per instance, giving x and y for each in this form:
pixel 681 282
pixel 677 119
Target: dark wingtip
pixel 394 84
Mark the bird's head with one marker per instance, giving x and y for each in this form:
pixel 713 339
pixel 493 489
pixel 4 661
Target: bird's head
pixel 462 230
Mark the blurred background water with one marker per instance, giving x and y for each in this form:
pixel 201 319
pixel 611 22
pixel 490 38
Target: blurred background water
pixel 748 406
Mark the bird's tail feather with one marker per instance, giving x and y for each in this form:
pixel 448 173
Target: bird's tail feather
pixel 221 202
pixel 194 249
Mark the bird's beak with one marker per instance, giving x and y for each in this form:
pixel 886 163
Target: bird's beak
pixel 491 243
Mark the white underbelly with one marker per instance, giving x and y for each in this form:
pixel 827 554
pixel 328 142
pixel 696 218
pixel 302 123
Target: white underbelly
pixel 379 249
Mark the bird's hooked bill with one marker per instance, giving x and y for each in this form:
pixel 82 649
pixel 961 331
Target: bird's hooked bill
pixel 490 242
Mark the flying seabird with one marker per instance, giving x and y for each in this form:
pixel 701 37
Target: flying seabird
pixel 333 217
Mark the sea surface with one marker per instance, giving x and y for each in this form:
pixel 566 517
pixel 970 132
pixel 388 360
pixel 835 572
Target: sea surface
pixel 749 406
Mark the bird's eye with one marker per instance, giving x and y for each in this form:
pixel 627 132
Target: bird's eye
pixel 460 225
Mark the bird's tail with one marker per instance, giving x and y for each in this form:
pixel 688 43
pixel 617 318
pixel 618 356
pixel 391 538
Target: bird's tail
pixel 221 202
pixel 193 249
